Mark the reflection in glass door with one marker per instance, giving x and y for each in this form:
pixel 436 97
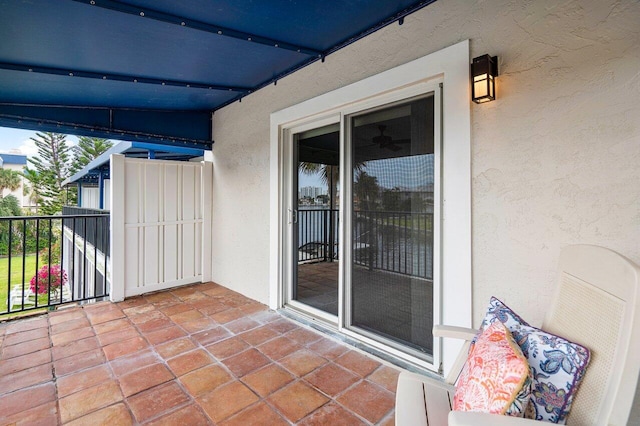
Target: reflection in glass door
pixel 315 236
pixel 392 224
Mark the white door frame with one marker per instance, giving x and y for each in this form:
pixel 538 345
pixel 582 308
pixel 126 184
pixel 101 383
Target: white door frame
pixel 451 66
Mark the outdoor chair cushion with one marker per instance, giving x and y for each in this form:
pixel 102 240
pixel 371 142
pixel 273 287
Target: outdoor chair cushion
pixel 496 377
pixel 557 364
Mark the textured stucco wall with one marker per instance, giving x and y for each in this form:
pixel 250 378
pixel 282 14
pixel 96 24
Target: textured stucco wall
pixel 555 160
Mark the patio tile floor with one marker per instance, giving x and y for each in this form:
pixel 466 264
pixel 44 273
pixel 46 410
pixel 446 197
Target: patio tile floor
pixel 200 354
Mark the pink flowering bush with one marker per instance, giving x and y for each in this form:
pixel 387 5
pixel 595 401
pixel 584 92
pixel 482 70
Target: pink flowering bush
pixel 39 284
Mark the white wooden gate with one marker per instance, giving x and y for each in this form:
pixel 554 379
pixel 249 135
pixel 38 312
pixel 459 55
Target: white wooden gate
pixel 160 224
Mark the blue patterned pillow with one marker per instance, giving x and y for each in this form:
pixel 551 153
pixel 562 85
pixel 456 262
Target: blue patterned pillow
pixel 557 365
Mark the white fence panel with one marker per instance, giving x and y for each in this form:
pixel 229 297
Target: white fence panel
pixel 159 223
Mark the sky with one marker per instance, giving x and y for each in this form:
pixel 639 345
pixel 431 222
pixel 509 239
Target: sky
pixel 18 139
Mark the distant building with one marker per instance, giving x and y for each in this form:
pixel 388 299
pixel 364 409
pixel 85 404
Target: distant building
pixel 311 191
pixel 18 163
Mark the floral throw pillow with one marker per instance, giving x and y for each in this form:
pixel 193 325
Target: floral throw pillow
pixel 496 377
pixel 557 364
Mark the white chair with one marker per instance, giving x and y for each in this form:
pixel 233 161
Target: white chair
pixel 596 304
pixel 27 299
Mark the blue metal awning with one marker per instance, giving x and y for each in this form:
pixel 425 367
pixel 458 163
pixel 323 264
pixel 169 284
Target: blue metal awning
pixel 99 168
pixel 155 70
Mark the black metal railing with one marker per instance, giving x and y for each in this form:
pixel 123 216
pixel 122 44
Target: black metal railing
pixel 399 242
pixel 317 234
pixel 95 232
pixel 46 261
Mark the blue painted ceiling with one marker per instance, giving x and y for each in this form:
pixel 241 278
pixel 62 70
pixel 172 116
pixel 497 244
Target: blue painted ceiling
pixel 99 67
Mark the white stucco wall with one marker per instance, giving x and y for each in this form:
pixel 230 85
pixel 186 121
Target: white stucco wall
pixel 554 159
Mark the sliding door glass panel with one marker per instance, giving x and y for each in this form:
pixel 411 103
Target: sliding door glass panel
pixel 316 233
pixel 392 223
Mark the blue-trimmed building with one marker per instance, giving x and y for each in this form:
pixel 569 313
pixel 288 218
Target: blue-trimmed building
pixel 17 163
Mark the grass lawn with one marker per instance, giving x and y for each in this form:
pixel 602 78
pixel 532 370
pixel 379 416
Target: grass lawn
pixel 16 275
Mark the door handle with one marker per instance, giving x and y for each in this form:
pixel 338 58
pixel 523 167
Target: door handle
pixel 293 216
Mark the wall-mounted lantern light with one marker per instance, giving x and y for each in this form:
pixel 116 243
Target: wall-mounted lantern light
pixel 484 70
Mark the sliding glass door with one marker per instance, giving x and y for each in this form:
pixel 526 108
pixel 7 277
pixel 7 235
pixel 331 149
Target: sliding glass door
pixel 392 223
pixel 384 206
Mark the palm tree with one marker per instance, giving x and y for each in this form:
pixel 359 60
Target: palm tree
pixel 9 179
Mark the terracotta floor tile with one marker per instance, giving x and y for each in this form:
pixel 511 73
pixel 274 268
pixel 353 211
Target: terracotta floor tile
pixel 279 348
pixel 175 347
pixel 25 336
pixel 155 324
pixel 199 324
pixel 368 400
pixel 211 306
pixel 132 302
pixel 75 324
pixel 331 414
pixel 58 317
pixel 390 420
pixel 226 401
pixel 205 379
pixel 241 324
pixel 26 325
pixel 61 339
pixel 110 326
pixel 42 415
pixel 358 363
pixel 23 362
pixel 268 379
pixel 84 402
pixel 101 316
pixel 253 307
pixel 117 414
pixel 211 336
pixel 147 316
pixel 265 316
pixel 227 348
pixel 141 308
pixel 25 348
pixel 25 378
pixel 259 414
pixel 126 347
pixel 328 348
pixel 186 316
pixel 83 380
pixel 144 378
pixel 189 361
pixel 155 401
pixel 246 362
pixel 162 298
pixel 283 325
pixel 189 415
pixel 123 369
pixel 78 362
pixel 26 399
pixel 124 333
pixel 133 362
pixel 175 309
pixel 332 379
pixel 258 335
pixel 386 377
pixel 303 336
pixel 164 335
pixel 297 400
pixel 74 348
pixel 227 315
pixel 302 362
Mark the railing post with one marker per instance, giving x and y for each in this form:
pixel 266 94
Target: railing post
pixel 117 168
